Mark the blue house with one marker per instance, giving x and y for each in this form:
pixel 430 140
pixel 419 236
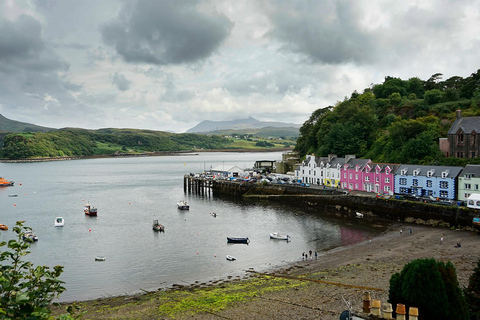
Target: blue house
pixel 427 181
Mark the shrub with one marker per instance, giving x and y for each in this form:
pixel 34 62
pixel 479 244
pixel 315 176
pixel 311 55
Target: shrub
pixel 430 286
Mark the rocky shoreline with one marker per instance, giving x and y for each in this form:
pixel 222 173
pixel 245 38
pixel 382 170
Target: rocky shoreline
pixel 306 289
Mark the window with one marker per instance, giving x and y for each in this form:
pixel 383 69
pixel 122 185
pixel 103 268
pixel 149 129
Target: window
pixel 429 183
pixel 468 186
pixel 367 178
pixel 415 182
pixel 303 171
pixel 345 175
pixel 403 181
pixel 467 176
pixel 445 173
pixel 430 173
pixel 429 193
pixel 309 172
pixel 466 195
pixel 356 186
pixel 351 186
pixel 386 188
pixel 403 172
pixel 416 172
pixel 443 194
pixel 314 172
pixel 350 176
pixel 356 177
pixel 476 187
pixel 444 184
pixel 387 180
pixel 460 137
pixel 403 190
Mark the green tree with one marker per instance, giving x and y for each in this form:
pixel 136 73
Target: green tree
pixel 433 96
pixel 472 293
pixel 430 286
pixel 26 291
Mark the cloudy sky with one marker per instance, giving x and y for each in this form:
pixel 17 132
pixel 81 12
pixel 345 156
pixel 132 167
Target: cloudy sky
pixel 167 65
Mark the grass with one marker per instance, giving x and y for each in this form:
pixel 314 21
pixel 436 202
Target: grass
pixel 181 302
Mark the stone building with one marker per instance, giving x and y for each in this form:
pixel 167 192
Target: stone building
pixel 462 138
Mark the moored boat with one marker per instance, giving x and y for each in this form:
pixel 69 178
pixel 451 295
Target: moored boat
pixel 157 226
pixel 476 223
pixel 3 227
pixel 59 222
pixel 230 258
pixel 100 258
pixel 183 205
pixel 29 236
pixel 89 210
pixel 279 236
pixel 5 183
pixel 237 240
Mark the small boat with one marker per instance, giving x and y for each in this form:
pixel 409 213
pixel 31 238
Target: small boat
pixel 3 227
pixel 359 215
pixel 157 226
pixel 5 183
pixel 12 195
pixel 100 258
pixel 183 205
pixel 230 258
pixel 214 214
pixel 29 236
pixel 279 236
pixel 237 240
pixel 59 222
pixel 89 210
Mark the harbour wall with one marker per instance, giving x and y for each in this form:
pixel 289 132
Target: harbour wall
pixel 340 203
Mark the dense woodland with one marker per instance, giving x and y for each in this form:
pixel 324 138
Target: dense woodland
pixel 398 121
pixel 81 142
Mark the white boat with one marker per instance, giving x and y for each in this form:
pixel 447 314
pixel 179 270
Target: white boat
pixel 183 205
pixel 30 236
pixel 279 236
pixel 59 222
pixel 359 215
pixel 230 258
pixel 100 258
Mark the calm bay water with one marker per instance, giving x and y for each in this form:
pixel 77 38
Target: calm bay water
pixel 129 194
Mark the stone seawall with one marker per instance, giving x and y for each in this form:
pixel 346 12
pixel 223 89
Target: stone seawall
pixel 339 203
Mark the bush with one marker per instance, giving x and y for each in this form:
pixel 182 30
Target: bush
pixel 430 286
pixel 472 293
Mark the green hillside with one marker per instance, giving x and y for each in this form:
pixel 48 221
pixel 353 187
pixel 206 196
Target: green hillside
pixel 266 132
pixel 81 142
pixel 7 126
pixel 397 121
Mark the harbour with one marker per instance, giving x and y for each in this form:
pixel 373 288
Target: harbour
pixel 129 194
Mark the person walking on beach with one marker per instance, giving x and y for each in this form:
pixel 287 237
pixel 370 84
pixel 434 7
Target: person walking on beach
pixel 316 255
pixel 303 256
pixel 310 252
pixel 441 240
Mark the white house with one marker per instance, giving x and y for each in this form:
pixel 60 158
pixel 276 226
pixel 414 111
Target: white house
pixel 228 171
pixel 473 201
pixel 320 171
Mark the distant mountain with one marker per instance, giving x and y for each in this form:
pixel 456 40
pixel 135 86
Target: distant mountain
pixel 239 124
pixel 12 126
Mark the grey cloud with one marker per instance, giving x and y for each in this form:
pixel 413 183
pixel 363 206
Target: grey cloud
pixel 121 82
pixel 171 93
pixel 166 32
pixel 324 31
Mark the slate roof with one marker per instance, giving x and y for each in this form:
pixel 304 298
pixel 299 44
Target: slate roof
pixel 471 169
pixel 383 166
pixel 352 163
pixel 453 171
pixel 467 124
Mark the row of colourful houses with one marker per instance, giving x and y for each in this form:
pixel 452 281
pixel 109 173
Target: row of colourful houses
pixel 442 182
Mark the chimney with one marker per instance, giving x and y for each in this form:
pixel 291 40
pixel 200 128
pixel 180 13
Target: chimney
pixel 331 156
pixel 348 157
pixel 458 114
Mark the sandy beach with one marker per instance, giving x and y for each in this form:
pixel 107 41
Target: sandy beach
pixel 317 289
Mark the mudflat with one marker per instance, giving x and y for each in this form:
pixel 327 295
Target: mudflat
pixel 312 289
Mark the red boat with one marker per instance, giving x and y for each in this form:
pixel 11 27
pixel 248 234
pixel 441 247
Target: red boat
pixel 89 210
pixel 5 183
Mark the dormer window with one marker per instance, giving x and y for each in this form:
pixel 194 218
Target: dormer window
pixel 468 176
pixel 416 172
pixel 377 169
pixel 430 173
pixel 387 170
pixel 445 173
pixel 403 172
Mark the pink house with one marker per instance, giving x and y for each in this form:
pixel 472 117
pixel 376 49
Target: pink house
pixel 379 177
pixel 351 176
